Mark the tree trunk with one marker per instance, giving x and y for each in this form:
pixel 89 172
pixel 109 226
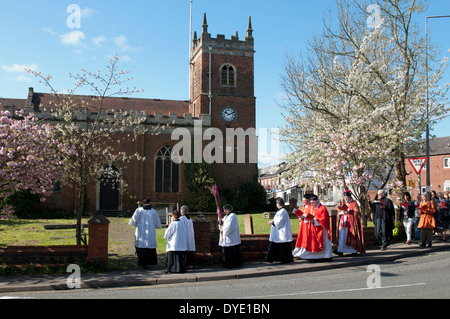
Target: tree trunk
pixel 80 199
pixel 363 204
pixel 400 171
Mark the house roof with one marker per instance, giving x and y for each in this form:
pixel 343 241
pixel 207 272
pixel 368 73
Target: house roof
pixel 438 146
pixel 271 171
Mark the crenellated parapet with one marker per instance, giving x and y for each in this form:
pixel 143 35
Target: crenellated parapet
pixel 83 115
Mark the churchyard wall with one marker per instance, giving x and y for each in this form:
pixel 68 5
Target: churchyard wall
pixel 96 251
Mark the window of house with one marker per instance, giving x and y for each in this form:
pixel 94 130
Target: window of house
pixel 447 186
pixel 167 173
pixel 228 75
pixel 447 162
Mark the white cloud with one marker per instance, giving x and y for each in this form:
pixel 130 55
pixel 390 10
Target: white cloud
pixel 23 78
pixel 99 40
pixel 125 58
pixel 50 31
pixel 121 40
pixel 122 43
pixel 72 38
pixel 87 12
pixel 17 68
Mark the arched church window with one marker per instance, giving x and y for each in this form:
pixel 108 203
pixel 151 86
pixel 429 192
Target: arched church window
pixel 167 173
pixel 228 75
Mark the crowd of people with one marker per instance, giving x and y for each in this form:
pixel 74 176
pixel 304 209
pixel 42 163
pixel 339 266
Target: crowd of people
pixel 429 214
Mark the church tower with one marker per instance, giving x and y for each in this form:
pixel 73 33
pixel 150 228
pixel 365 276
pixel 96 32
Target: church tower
pixel 222 85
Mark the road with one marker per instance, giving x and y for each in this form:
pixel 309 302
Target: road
pixel 420 277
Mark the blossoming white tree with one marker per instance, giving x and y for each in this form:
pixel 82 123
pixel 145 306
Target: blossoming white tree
pixel 355 103
pixel 95 130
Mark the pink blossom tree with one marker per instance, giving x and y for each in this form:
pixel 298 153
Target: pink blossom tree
pixel 30 157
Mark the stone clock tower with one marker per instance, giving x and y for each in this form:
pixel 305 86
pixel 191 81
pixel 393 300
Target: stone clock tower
pixel 222 85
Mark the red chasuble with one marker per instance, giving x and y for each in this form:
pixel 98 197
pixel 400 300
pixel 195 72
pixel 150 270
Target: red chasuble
pixel 355 237
pixel 310 236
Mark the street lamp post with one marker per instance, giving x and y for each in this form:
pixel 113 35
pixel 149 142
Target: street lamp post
pixel 427 136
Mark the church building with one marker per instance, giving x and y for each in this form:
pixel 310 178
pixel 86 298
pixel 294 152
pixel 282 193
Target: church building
pixel 221 97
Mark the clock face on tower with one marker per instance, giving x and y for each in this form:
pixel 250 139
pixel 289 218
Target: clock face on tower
pixel 228 114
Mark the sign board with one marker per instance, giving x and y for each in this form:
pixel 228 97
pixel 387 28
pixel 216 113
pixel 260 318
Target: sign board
pixel 418 163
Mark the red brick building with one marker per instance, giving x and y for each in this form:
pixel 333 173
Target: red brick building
pixel 439 166
pixel 221 96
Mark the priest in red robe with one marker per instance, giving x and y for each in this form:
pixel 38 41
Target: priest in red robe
pixel 350 230
pixel 314 237
pixel 306 206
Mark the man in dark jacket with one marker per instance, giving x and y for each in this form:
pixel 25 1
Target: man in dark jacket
pixel 383 214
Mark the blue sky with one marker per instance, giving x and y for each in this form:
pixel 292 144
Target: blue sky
pixel 151 39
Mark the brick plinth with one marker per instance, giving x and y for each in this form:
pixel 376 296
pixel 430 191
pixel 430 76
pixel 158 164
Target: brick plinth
pixel 98 240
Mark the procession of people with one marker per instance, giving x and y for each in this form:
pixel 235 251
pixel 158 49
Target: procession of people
pixel 314 239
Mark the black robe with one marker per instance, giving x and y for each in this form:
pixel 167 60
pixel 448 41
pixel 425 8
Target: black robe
pixel 383 209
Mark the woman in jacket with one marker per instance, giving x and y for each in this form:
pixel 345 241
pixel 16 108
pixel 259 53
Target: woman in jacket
pixel 427 222
pixel 406 215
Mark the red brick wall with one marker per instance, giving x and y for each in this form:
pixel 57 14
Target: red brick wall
pixel 20 255
pixel 96 251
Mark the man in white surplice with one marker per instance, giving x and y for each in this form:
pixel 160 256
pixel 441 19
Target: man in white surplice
pixel 230 239
pixel 190 235
pixel 146 220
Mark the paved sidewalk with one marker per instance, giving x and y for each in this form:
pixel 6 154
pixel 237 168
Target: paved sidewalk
pixel 130 278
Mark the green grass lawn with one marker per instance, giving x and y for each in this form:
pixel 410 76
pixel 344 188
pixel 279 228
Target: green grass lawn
pixel 23 232
pixel 20 232
pixel 261 226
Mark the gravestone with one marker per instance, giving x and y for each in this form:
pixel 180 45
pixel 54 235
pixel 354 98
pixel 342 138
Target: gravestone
pixel 248 225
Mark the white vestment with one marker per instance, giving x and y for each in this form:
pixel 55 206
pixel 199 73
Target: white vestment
pixel 176 236
pixel 281 230
pixel 342 242
pixel 190 238
pixel 230 235
pixel 146 221
pixel 327 251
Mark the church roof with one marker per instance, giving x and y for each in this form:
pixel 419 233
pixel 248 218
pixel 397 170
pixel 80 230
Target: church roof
pixel 19 103
pixel 150 106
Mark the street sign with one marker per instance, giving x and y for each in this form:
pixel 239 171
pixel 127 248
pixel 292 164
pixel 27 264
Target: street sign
pixel 417 163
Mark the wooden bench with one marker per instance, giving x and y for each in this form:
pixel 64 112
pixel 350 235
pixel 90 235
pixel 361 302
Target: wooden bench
pixel 69 226
pixel 65 226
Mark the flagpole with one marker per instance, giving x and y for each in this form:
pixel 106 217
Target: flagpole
pixel 190 46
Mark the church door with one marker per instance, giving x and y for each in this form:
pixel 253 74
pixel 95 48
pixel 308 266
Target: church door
pixel 109 192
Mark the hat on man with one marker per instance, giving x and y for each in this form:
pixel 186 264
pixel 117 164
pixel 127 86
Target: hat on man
pixel 347 193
